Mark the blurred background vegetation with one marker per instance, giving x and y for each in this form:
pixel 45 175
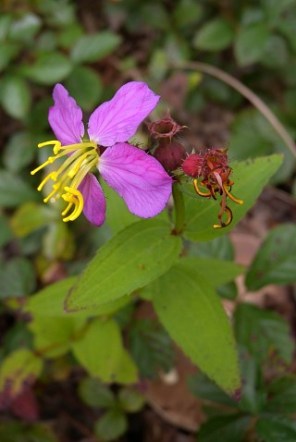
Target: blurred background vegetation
pixel 93 47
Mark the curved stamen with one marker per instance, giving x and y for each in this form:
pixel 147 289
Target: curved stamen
pixel 198 191
pixel 74 197
pixel 233 198
pixel 228 221
pixel 80 159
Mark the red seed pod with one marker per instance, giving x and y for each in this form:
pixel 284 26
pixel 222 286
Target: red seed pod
pixel 192 165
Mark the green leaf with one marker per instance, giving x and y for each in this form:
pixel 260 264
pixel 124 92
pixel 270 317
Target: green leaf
pixel 19 367
pixel 19 151
pixel 111 425
pixel 197 322
pixel 275 261
pixel 29 218
pixel 14 431
pixel 225 428
pixel 250 43
pixel 261 331
pixel 282 396
pixel 9 51
pixel 50 302
pixel 187 13
pixel 96 394
pixel 253 396
pixel 151 348
pixel 17 278
pixel 53 338
pixel 249 177
pixel 214 35
pixel 25 28
pixel 14 190
pixel 276 429
pixel 127 371
pixel 94 47
pixel 15 97
pixel 99 349
pixel 85 85
pixel 251 137
pixel 48 68
pixel 5 231
pixel 130 260
pixel 131 400
pixel 203 388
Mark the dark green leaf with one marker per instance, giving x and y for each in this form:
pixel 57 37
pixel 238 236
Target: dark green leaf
pixel 96 394
pixel 203 388
pixel 94 47
pixel 8 52
pixel 85 85
pixel 14 190
pixel 25 28
pixel 275 261
pixel 17 278
pixel 111 426
pixel 198 323
pixel 214 35
pixel 15 97
pixel 131 400
pixel 276 429
pixel 260 331
pixel 253 398
pixel 250 43
pixel 19 151
pixel 187 13
pixel 151 348
pixel 14 431
pixel 49 68
pixel 5 231
pixel 134 257
pixel 224 428
pixel 282 396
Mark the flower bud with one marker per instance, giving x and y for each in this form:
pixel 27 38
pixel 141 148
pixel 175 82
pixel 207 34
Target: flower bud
pixel 170 155
pixel 192 165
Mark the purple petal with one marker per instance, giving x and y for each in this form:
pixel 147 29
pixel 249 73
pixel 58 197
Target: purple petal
pixel 118 119
pixel 94 200
pixel 138 178
pixel 65 117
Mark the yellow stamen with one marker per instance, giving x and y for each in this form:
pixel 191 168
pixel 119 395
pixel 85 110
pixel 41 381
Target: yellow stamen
pixel 233 198
pixel 228 221
pixel 198 191
pixel 80 159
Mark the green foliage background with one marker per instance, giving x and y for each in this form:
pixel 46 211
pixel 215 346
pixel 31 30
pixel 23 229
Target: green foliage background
pixel 92 48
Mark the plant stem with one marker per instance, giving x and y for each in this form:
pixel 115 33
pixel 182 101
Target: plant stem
pixel 247 93
pixel 179 210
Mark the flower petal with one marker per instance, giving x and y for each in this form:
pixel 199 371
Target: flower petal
pixel 65 117
pixel 94 200
pixel 138 178
pixel 118 119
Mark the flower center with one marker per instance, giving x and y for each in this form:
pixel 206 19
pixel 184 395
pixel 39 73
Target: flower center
pixel 80 158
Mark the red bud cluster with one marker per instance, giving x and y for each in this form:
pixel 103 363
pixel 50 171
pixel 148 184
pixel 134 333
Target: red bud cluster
pixel 212 171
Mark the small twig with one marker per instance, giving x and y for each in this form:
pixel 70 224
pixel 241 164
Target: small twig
pixel 247 93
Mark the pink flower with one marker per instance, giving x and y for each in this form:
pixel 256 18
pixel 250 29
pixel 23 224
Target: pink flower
pixel 136 176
